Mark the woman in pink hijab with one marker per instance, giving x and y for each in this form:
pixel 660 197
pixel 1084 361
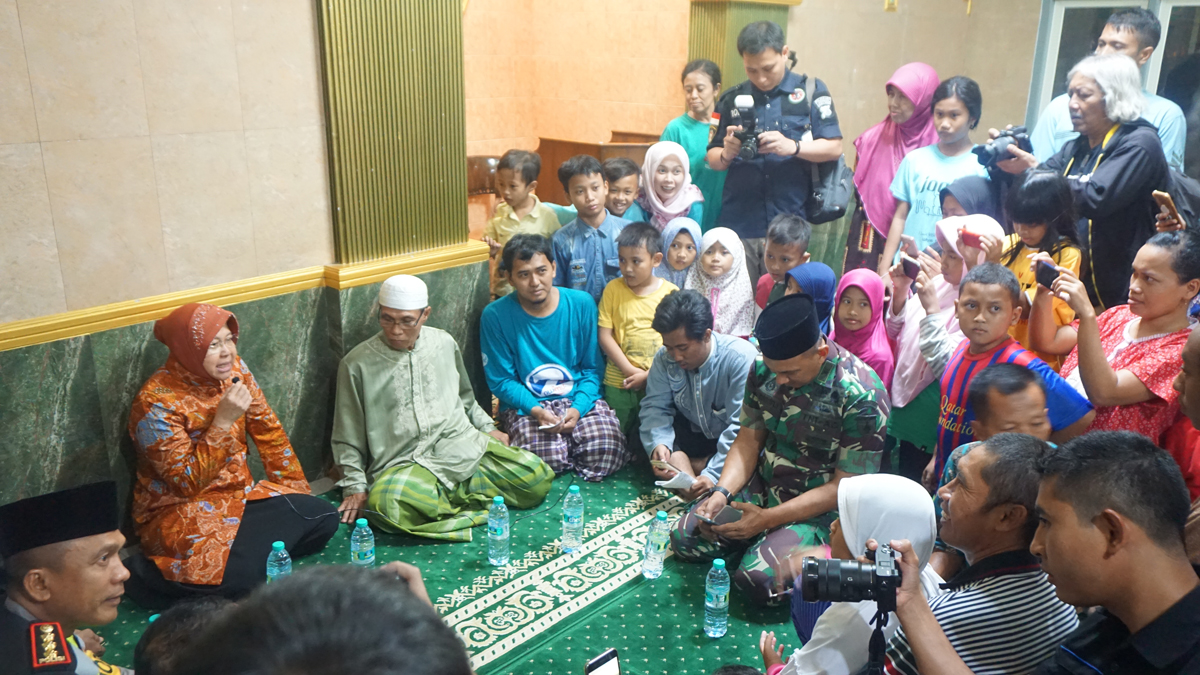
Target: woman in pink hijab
pixel 667 189
pixel 858 322
pixel 908 126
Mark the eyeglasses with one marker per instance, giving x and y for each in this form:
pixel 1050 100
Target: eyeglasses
pixel 407 322
pixel 218 344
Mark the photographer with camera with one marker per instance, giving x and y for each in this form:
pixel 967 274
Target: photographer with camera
pixel 999 613
pixel 1112 508
pixel 768 137
pixel 1114 166
pixel 1134 32
pixel 877 506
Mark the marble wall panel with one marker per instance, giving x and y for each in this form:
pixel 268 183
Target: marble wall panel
pixel 51 421
pixel 29 269
pixel 18 124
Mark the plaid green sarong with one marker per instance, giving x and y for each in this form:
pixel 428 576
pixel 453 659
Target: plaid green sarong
pixel 413 501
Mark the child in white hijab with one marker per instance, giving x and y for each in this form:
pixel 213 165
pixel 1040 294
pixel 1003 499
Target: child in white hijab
pixel 720 276
pixel 882 507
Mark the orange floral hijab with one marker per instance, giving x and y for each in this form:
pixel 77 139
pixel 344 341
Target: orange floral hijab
pixel 189 330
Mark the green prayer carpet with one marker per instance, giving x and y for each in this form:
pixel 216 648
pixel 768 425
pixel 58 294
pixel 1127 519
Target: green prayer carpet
pixel 547 612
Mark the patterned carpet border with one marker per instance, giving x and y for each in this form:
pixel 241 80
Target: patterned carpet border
pixel 503 610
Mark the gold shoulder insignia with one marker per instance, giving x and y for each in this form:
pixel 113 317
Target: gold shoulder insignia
pixel 49 646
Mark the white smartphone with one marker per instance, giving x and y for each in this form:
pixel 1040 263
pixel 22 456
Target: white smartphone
pixel 605 664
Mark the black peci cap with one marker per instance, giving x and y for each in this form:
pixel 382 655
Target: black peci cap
pixel 59 516
pixel 788 327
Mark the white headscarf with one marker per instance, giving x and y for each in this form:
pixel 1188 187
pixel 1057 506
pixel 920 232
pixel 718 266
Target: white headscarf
pixel 661 212
pixel 731 295
pixel 884 507
pixel 880 507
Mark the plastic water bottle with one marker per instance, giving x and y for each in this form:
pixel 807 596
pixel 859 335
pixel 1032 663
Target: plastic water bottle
pixel 362 544
pixel 572 536
pixel 279 563
pixel 656 547
pixel 498 532
pixel 716 600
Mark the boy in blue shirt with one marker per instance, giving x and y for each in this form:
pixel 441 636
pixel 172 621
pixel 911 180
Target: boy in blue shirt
pixel 585 249
pixel 541 357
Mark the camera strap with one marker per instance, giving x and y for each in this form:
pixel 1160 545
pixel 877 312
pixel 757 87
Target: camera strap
pixel 877 649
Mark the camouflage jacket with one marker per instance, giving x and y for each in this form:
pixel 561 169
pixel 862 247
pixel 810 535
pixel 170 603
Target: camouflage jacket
pixel 837 421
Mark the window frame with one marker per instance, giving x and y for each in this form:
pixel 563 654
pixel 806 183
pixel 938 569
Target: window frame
pixel 1163 12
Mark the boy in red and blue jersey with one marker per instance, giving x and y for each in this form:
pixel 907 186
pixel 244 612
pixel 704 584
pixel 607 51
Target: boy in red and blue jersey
pixel 988 303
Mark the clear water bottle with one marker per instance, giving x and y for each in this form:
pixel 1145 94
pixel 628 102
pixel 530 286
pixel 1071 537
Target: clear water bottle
pixel 362 544
pixel 716 600
pixel 656 547
pixel 279 563
pixel 498 532
pixel 572 536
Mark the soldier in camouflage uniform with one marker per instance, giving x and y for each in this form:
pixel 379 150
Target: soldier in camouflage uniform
pixel 813 414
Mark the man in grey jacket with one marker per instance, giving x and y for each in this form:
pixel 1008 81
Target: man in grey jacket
pixel 694 391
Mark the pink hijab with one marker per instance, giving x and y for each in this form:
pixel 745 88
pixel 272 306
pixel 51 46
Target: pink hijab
pixel 869 343
pixel 661 212
pixel 883 146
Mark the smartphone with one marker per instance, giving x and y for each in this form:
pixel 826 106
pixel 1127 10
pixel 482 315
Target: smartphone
pixel 1045 274
pixel 911 267
pixel 605 664
pixel 726 516
pixel 1164 201
pixel 971 239
pixel 659 464
pixel 908 244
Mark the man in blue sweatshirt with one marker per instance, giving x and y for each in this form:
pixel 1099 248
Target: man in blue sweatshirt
pixel 542 359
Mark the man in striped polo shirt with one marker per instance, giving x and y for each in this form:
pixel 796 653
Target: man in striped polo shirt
pixel 1000 613
pixel 988 304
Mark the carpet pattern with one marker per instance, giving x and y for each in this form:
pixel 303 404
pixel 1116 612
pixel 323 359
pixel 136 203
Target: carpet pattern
pixel 546 612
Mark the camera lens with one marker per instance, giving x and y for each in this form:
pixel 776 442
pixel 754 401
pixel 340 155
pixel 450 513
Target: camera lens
pixel 837 580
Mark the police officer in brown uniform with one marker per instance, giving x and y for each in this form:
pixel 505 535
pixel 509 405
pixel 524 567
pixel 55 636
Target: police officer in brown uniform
pixel 62 572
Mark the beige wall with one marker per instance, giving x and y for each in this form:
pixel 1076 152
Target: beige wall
pixel 569 69
pixel 854 46
pixel 150 146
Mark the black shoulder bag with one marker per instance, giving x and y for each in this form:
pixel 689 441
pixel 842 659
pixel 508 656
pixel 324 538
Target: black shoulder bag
pixel 832 182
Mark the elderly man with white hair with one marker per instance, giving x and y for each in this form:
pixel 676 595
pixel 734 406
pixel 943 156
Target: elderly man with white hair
pixel 1114 165
pixel 415 449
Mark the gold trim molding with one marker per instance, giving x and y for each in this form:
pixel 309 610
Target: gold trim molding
pixel 94 319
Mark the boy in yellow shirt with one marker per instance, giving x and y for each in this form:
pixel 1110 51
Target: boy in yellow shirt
pixel 520 212
pixel 626 312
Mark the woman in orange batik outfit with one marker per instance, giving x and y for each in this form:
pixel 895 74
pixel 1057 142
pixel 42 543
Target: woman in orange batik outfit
pixel 205 526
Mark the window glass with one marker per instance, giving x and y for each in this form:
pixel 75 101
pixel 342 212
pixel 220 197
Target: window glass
pixel 1179 77
pixel 1081 26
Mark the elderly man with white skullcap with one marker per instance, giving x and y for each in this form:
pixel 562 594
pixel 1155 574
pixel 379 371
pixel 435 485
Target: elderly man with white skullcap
pixel 416 450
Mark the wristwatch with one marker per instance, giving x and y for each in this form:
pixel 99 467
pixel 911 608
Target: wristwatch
pixel 728 496
pixel 797 148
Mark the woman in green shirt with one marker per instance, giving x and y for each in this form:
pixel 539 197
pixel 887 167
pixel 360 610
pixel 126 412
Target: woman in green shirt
pixel 692 130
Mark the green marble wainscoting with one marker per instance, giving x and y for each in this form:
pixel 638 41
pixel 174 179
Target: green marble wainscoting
pixel 64 405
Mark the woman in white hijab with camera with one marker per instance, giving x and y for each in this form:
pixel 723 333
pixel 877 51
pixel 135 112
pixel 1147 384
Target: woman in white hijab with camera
pixel 882 507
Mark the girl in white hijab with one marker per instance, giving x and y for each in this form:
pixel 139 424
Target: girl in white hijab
pixel 882 507
pixel 720 276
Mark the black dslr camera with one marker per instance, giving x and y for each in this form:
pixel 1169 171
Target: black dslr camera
pixel 851 581
pixel 996 150
pixel 743 115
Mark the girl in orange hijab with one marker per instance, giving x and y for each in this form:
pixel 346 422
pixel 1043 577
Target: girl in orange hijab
pixel 206 527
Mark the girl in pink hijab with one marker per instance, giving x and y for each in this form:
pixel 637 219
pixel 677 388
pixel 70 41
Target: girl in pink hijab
pixel 858 322
pixel 908 126
pixel 667 189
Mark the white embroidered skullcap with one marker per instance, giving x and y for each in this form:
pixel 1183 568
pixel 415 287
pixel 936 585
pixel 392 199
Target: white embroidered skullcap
pixel 403 292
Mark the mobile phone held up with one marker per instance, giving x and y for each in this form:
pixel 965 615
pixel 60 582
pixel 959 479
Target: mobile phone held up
pixel 1045 274
pixel 972 239
pixel 1166 203
pixel 911 267
pixel 605 664
pixel 727 515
